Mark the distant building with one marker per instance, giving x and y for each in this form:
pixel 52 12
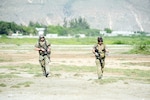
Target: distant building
pixel 16 34
pixel 117 33
pixel 81 35
pixel 40 31
pixel 51 35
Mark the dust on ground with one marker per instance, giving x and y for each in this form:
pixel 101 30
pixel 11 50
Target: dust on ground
pixel 69 86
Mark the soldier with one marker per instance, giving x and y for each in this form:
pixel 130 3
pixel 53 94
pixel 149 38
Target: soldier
pixel 44 54
pixel 99 50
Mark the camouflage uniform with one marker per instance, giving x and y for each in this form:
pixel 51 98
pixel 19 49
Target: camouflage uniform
pixel 44 56
pixel 100 59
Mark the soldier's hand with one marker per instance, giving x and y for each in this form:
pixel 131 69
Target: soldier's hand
pixel 48 49
pixel 42 49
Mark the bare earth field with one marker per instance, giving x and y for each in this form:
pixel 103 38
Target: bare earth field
pixel 18 84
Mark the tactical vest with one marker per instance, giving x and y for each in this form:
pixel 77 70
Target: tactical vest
pixel 101 49
pixel 44 46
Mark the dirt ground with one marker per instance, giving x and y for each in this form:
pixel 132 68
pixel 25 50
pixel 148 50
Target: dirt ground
pixel 68 86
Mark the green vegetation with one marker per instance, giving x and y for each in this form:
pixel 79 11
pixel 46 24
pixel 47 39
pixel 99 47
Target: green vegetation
pixel 108 30
pixel 15 86
pixel 25 84
pixel 133 40
pixel 74 27
pixel 73 41
pixel 123 74
pixel 141 44
pixel 138 63
pixel 128 40
pixel 17 41
pixel 8 28
pixel 73 68
pixel 14 70
pixel 143 47
pixel 131 73
pixel 79 23
pixel 3 85
pixel 2 75
pixel 106 81
pixel 3 59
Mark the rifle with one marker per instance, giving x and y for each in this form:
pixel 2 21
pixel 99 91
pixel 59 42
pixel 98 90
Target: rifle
pixel 98 56
pixel 46 52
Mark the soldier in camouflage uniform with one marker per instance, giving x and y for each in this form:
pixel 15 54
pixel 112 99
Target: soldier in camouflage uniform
pixel 44 54
pixel 99 51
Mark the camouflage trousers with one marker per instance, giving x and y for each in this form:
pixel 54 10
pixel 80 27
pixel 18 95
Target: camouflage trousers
pixel 44 62
pixel 100 67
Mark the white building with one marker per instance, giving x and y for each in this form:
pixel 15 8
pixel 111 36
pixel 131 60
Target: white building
pixel 40 31
pixel 117 33
pixel 51 35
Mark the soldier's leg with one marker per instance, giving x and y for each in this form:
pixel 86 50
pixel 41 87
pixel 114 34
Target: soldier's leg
pixel 102 68
pixel 47 65
pixel 42 63
pixel 103 64
pixel 99 72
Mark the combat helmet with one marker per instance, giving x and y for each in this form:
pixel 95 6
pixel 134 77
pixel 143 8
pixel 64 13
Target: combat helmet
pixel 100 39
pixel 41 36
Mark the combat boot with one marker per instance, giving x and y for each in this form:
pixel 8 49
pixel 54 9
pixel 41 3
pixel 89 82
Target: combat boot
pixel 46 75
pixel 100 77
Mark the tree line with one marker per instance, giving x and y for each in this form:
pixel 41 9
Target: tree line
pixel 72 27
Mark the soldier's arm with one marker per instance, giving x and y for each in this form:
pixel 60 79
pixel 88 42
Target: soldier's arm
pixel 106 49
pixel 37 48
pixel 93 50
pixel 49 46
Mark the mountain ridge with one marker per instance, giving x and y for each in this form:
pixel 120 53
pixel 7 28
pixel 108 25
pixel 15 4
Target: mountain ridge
pixel 121 15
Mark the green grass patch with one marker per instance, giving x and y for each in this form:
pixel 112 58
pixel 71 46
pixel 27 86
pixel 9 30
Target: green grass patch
pixel 19 69
pixel 141 43
pixel 5 60
pixel 141 49
pixel 130 40
pixel 135 74
pixel 146 64
pixel 68 68
pixel 3 85
pixel 25 84
pixel 56 75
pixel 106 81
pixel 129 74
pixel 142 46
pixel 2 75
pixel 74 41
pixel 28 68
pixel 17 41
pixel 31 68
pixel 15 86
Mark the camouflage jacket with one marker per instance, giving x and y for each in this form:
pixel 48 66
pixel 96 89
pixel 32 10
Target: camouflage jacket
pixel 45 45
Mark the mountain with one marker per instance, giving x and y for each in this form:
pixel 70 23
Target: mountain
pixel 119 15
